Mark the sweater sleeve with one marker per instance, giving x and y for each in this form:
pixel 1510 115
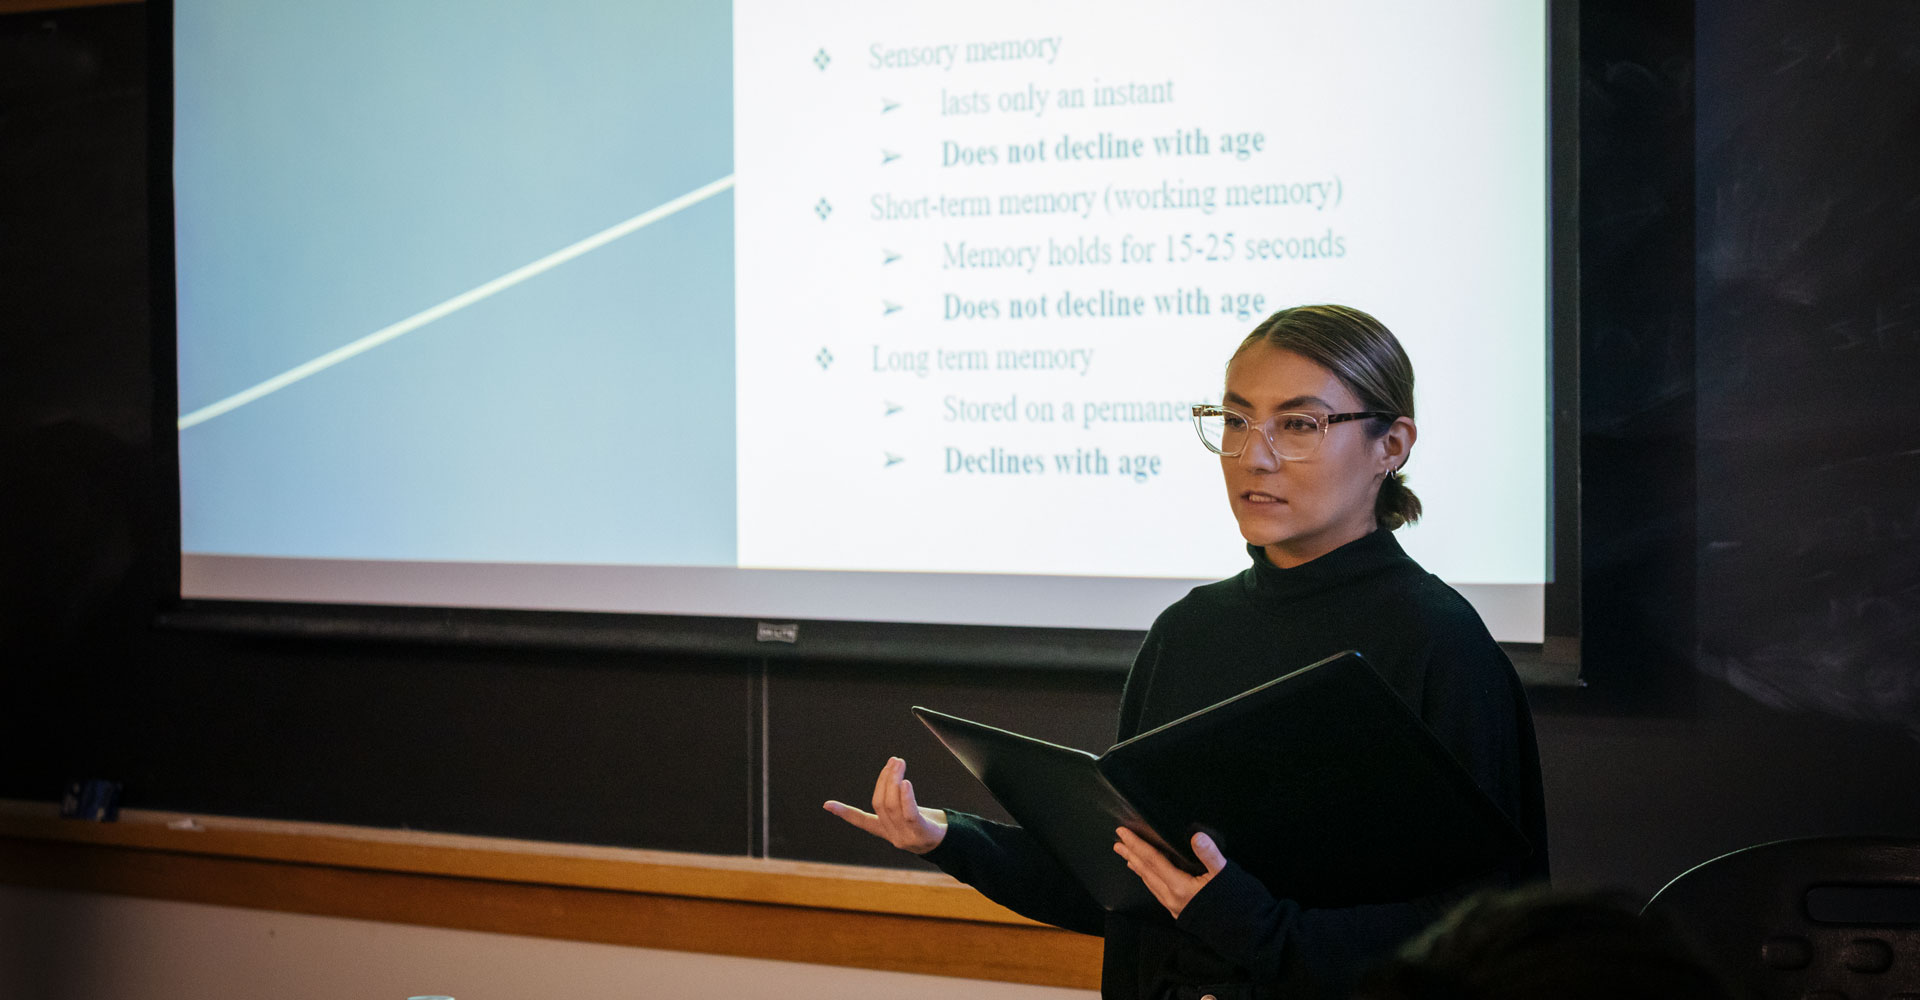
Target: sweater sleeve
pixel 1318 952
pixel 1010 867
pixel 1007 865
pixel 1469 704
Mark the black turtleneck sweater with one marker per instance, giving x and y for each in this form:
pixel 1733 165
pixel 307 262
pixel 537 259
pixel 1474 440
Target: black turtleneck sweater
pixel 1222 639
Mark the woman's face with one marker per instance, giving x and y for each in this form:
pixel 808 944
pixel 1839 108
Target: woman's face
pixel 1301 510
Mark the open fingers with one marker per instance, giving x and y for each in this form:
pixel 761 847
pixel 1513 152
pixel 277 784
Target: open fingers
pixel 909 806
pixel 896 817
pixel 883 785
pixel 1145 862
pixel 1138 849
pixel 853 814
pixel 888 819
pixel 888 805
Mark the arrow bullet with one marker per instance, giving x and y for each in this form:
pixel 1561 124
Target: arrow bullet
pixel 888 156
pixel 893 459
pixel 888 104
pixel 890 307
pixel 892 407
pixel 891 256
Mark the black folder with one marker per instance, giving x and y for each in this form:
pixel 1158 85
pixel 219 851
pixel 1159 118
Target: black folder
pixel 1320 783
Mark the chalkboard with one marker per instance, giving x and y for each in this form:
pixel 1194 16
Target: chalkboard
pixel 1809 356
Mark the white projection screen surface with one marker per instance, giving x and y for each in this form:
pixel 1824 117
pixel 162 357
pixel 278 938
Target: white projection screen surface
pixel 841 310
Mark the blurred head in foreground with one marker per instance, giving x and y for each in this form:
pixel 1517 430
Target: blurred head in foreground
pixel 1537 944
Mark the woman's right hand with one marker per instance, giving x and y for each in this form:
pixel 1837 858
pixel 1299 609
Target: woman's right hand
pixel 896 818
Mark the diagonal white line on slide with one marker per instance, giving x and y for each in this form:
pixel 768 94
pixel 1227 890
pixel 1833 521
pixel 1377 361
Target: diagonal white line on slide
pixel 455 304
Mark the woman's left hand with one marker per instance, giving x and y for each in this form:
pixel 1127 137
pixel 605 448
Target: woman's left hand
pixel 1171 886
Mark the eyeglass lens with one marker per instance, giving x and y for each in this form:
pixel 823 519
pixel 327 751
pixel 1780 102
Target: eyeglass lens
pixel 1293 436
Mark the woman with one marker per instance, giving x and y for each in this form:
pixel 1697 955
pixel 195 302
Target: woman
pixel 1315 426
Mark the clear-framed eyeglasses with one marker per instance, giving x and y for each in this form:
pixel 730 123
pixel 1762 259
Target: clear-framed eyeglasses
pixel 1292 436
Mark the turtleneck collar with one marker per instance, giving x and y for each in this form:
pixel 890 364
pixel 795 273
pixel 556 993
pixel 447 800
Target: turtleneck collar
pixel 1364 556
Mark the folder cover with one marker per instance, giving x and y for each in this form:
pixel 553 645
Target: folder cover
pixel 1320 783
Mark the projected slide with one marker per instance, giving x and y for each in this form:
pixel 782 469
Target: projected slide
pixel 986 259
pixel 835 310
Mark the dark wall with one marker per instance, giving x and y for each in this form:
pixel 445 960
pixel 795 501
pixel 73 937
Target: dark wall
pixel 1748 312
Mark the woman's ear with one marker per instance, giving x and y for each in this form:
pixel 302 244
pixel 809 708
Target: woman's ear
pixel 1396 444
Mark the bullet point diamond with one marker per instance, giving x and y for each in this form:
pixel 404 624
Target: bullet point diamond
pixel 821 59
pixel 825 358
pixel 823 208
